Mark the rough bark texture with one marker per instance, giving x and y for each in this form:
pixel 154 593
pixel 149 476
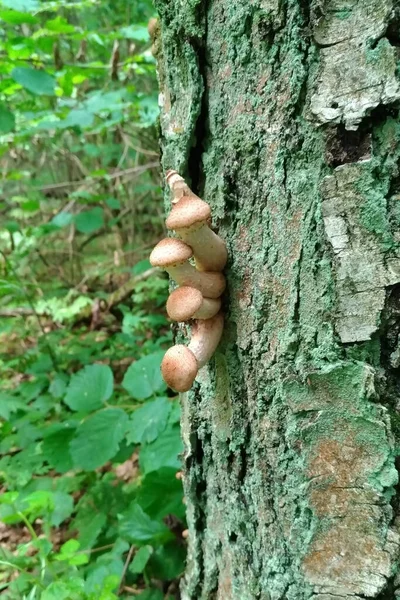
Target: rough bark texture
pixel 283 115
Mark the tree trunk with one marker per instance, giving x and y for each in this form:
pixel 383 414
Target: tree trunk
pixel 282 114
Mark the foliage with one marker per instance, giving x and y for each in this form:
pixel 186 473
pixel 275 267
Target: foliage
pixel 89 437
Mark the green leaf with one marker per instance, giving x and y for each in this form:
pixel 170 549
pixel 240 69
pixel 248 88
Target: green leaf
pixel 89 526
pixel 59 25
pixel 63 508
pixel 139 33
pixel 9 404
pixel 71 588
pixel 140 529
pixel 68 553
pixel 35 81
pixel 90 220
pixel 17 18
pixel 163 452
pixel 141 266
pixel 77 118
pixel 62 219
pixel 168 562
pixel 7 120
pixel 21 5
pixel 148 421
pixel 160 494
pixel 58 386
pixel 143 378
pixel 141 559
pixel 113 203
pixel 90 388
pixel 97 439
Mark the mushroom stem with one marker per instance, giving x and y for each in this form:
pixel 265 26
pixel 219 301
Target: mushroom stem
pixel 180 364
pixel 209 249
pixel 206 335
pixel 210 284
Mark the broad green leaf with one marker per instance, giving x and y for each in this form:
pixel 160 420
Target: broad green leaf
pixel 17 18
pixel 141 559
pixel 64 589
pixel 35 81
pixel 63 508
pixel 56 451
pixel 143 378
pixel 160 493
pixel 7 120
pixel 89 527
pixel 163 452
pixel 113 203
pixel 168 562
pixel 141 266
pixel 137 527
pixel 59 25
pixel 69 552
pixel 30 205
pixel 77 118
pixel 90 388
pixel 9 404
pixel 58 386
pixel 97 439
pixel 90 220
pixel 62 219
pixel 135 32
pixel 148 111
pixel 21 5
pixel 175 415
pixel 148 421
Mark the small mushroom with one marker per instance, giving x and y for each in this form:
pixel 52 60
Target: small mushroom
pixel 188 303
pixel 181 363
pixel 189 218
pixel 173 256
pixel 178 186
pixel 179 368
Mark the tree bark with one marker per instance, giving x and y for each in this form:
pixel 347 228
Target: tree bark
pixel 283 115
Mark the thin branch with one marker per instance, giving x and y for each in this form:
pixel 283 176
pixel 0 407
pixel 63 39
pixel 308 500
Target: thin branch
pixel 83 182
pixel 126 565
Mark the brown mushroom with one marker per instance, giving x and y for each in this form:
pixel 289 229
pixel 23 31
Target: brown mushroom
pixel 188 303
pixel 181 363
pixel 189 218
pixel 179 368
pixel 173 256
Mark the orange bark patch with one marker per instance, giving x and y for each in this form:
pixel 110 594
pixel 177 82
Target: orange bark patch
pixel 348 554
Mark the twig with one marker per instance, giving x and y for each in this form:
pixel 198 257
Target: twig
pixel 115 175
pixel 124 291
pixel 124 570
pixel 16 312
pixel 131 590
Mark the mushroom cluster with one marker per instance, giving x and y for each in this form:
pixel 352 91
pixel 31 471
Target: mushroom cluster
pixel 200 287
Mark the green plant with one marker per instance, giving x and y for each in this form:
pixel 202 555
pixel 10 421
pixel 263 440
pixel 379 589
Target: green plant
pixel 89 434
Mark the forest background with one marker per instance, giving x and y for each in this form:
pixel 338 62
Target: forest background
pixel 90 504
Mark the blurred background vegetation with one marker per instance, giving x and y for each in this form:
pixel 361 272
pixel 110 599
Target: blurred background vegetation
pixel 90 504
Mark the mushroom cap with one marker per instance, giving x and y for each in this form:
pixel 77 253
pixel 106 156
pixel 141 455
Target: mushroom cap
pixel 169 252
pixel 189 211
pixel 179 368
pixel 183 303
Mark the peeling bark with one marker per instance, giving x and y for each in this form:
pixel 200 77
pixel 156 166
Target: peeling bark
pixel 282 114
